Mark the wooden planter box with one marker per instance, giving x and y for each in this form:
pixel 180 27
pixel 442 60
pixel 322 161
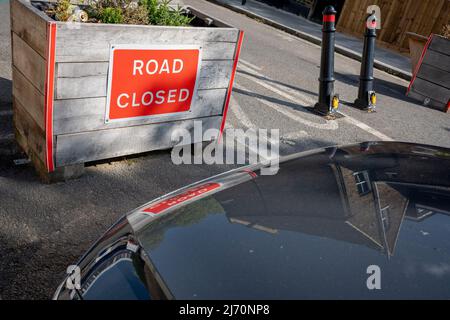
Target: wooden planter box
pixel 416 45
pixel 431 78
pixel 60 88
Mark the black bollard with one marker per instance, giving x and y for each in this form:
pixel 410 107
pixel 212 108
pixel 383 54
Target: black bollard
pixel 244 2
pixel 328 101
pixel 367 97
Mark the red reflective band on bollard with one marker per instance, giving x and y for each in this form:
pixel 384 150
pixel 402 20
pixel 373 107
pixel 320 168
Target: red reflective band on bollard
pixel 329 18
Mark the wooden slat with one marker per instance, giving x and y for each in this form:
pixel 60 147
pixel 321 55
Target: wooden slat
pixel 398 17
pixel 29 62
pixel 99 51
pixel 412 17
pixel 29 97
pixel 402 25
pixel 30 25
pixel 81 69
pixel 78 115
pixel 104 144
pixel 429 89
pixel 440 44
pixel 437 59
pixel 432 103
pixel 442 18
pixel 29 135
pixel 390 25
pixel 92 42
pixel 435 75
pixel 436 8
pixel 213 75
pixel 122 33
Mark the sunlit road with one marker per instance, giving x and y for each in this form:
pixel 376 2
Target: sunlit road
pixel 277 79
pixel 44 228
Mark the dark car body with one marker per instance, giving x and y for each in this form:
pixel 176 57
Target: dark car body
pixel 310 231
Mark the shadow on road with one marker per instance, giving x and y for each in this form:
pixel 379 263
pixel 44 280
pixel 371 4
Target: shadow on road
pixel 45 228
pixel 5 93
pixel 295 106
pixel 382 87
pixel 278 82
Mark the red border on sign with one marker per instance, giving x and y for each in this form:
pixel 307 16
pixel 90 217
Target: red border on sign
pixel 419 64
pixel 230 88
pixel 157 116
pixel 49 91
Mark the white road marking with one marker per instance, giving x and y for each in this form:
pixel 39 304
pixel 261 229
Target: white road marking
pixel 366 128
pixel 242 117
pixel 250 65
pixel 280 88
pixel 296 135
pixel 240 114
pixel 300 96
pixel 328 125
pixel 293 137
pixel 245 146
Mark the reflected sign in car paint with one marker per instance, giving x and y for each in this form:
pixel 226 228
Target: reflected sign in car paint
pixel 190 194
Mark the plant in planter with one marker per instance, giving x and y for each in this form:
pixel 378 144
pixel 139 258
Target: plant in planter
pixel 119 82
pixel 143 12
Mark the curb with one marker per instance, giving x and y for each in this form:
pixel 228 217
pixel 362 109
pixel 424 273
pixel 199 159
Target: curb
pixel 303 35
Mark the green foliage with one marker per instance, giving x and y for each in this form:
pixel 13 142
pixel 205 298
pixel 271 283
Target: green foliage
pixel 188 215
pixel 160 13
pixel 111 15
pixel 135 15
pixel 154 12
pixel 62 10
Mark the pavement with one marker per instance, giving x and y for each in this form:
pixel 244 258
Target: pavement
pixel 386 60
pixel 45 228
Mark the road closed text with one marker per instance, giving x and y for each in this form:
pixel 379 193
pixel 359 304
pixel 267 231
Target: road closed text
pixel 145 82
pixel 125 100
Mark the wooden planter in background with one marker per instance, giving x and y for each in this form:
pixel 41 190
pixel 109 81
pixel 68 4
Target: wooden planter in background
pixel 431 77
pixel 416 45
pixel 60 88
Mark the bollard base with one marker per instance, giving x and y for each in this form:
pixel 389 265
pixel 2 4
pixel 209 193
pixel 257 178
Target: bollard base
pixel 324 111
pixel 364 106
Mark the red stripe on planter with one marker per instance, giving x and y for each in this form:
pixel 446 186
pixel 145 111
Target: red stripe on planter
pixel 230 88
pixel 424 51
pixel 329 18
pixel 49 91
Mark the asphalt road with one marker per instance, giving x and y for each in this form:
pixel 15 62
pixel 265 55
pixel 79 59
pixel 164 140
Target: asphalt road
pixel 44 228
pixel 281 70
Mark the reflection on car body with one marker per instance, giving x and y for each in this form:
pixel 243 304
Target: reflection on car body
pixel 310 231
